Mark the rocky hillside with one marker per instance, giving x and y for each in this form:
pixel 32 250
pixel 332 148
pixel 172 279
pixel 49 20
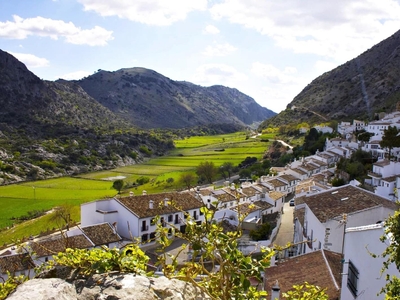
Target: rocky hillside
pixel 363 86
pixel 52 129
pixel 148 99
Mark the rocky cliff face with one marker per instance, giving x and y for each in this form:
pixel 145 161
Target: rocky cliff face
pixel 358 89
pixel 150 100
pixel 110 287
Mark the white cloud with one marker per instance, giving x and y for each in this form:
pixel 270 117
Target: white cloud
pixel 151 12
pixel 324 66
pixel 22 28
pixel 211 29
pixel 219 50
pixel 74 75
pixel 218 74
pixel 280 86
pixel 31 61
pixel 338 29
pixel 273 74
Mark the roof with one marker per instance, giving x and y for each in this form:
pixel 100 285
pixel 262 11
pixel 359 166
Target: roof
pixel 139 205
pixel 59 243
pixel 275 195
pixel 321 268
pixel 250 191
pixel 390 178
pixel 347 199
pixel 289 177
pixel 101 234
pixel 382 163
pixel 15 262
pixel 276 182
pixel 299 171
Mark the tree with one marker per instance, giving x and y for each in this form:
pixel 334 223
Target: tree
pixel 390 139
pixel 206 170
pixel 170 180
pixel 62 215
pixel 118 185
pixel 392 255
pixel 187 179
pixel 226 168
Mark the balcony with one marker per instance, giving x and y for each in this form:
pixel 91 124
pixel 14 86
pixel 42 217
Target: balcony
pixel 372 174
pixel 177 221
pixel 195 217
pixel 145 228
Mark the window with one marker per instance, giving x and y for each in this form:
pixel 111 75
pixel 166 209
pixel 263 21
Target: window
pixel 352 279
pixel 170 217
pixel 145 237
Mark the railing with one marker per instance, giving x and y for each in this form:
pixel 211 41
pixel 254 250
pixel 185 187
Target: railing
pixel 370 173
pixel 145 228
pixel 177 222
pixel 196 217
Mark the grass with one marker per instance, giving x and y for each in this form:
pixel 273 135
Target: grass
pixel 18 199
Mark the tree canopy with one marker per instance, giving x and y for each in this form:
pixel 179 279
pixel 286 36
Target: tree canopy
pixel 390 139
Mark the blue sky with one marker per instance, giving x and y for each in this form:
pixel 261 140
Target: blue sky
pixel 269 50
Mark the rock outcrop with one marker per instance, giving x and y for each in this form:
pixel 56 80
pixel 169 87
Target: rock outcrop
pixel 108 287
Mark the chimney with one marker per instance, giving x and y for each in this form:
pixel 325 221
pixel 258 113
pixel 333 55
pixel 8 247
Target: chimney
pixel 275 291
pixel 114 225
pixel 144 193
pixel 166 201
pixel 151 203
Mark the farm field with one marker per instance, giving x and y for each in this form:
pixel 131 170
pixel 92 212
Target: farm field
pixel 19 199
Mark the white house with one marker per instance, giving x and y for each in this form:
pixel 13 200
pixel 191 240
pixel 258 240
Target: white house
pixel 327 213
pixel 323 129
pixel 134 216
pixel 384 176
pixel 362 278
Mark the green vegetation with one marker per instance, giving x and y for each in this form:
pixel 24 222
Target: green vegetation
pixel 156 175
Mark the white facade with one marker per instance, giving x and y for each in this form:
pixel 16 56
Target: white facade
pixel 361 272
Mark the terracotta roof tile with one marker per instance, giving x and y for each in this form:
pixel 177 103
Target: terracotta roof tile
pixel 315 268
pixel 15 262
pixel 101 234
pixel 289 177
pixel 275 195
pixel 348 199
pixel 140 205
pixel 276 182
pixel 58 244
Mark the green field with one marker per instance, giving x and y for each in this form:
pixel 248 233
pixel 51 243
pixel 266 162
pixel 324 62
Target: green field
pixel 18 199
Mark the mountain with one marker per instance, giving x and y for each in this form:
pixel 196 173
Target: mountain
pixel 363 86
pixel 50 129
pixel 148 99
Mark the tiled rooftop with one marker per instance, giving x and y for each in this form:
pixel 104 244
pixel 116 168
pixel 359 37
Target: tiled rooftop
pixel 316 268
pixel 289 177
pixel 101 234
pixel 139 205
pixel 275 195
pixel 299 171
pixel 382 163
pixel 15 262
pixel 58 244
pixel 276 182
pixel 346 199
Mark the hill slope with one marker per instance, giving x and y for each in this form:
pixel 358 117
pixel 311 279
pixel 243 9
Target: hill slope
pixel 51 129
pixel 365 85
pixel 150 100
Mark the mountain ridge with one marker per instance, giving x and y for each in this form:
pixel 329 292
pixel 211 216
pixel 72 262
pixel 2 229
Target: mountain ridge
pixel 357 89
pixel 149 99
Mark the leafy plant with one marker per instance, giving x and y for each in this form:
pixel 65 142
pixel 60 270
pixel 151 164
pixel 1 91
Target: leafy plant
pixel 10 284
pixel 214 249
pixel 306 291
pixel 102 260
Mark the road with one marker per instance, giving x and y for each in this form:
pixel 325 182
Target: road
pixel 286 230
